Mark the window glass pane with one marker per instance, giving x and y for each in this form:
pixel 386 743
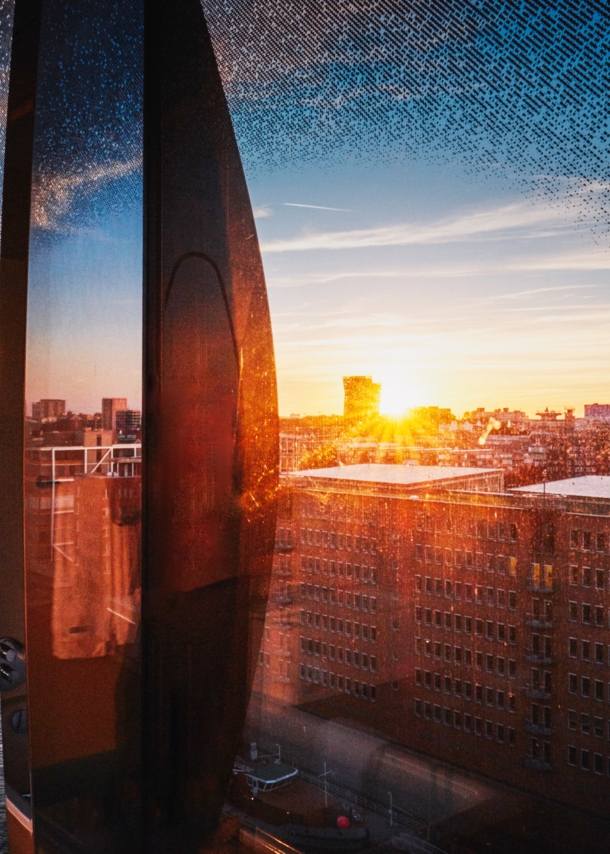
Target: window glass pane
pixel 83 411
pixel 430 184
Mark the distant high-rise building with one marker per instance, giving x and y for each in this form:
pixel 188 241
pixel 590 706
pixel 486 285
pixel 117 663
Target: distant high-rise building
pixel 599 411
pixel 48 408
pixel 110 407
pixel 361 397
pixel 128 420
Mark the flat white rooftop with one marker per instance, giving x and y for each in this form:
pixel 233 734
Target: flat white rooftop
pixel 588 486
pixel 395 474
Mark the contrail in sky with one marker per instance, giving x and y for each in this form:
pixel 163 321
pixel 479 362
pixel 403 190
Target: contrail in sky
pixel 316 207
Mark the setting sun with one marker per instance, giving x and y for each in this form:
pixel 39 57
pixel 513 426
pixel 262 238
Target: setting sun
pixel 400 393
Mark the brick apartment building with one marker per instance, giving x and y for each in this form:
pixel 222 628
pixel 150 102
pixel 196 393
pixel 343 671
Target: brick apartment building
pixel 461 620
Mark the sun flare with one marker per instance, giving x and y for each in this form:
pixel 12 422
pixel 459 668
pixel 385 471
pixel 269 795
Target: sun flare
pixel 399 393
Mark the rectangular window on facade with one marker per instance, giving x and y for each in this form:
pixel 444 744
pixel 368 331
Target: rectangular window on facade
pixel 536 574
pixel 573 575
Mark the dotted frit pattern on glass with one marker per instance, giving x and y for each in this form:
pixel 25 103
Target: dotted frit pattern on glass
pixel 6 31
pixel 89 153
pixel 517 88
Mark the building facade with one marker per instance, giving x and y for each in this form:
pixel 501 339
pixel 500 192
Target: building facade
pixel 458 619
pixel 362 397
pixel 110 407
pixel 48 408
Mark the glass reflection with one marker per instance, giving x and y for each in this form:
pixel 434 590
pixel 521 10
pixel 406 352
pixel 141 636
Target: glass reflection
pixel 83 427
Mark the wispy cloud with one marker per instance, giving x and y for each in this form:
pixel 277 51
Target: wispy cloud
pixel 534 291
pixel 53 194
pixel 515 220
pixel 262 211
pixel 316 207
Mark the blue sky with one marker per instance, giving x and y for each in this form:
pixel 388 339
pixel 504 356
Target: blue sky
pixel 459 291
pixel 430 184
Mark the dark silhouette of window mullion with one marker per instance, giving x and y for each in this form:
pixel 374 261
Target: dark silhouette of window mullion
pixel 14 252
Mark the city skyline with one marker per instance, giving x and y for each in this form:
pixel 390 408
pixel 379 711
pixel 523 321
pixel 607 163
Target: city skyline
pixel 461 266
pixel 390 412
